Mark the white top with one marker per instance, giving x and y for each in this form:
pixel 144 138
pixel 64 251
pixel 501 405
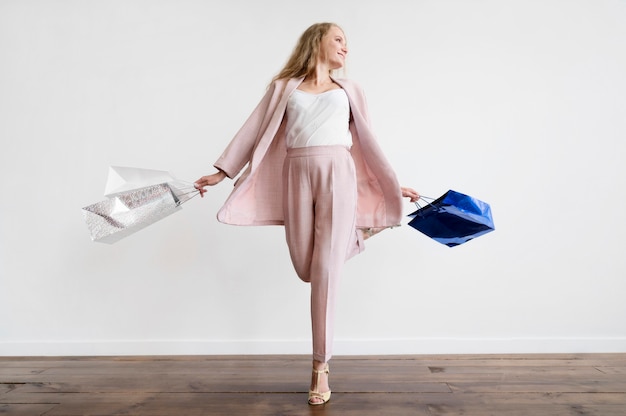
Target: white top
pixel 318 119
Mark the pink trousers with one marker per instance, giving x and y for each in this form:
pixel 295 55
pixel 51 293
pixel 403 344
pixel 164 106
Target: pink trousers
pixel 319 202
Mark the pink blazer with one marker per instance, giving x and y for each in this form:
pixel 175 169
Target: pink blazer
pixel 260 144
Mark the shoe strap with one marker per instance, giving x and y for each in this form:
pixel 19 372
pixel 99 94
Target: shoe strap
pixel 324 371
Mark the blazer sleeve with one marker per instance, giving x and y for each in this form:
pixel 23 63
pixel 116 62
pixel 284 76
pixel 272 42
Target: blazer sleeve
pixel 239 151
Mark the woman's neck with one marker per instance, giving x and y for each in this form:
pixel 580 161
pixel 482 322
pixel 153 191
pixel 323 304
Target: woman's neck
pixel 320 77
pixel 317 82
pixel 317 85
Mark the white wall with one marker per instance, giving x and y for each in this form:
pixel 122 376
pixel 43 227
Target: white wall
pixel 519 103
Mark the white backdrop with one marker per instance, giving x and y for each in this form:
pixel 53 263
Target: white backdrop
pixel 519 103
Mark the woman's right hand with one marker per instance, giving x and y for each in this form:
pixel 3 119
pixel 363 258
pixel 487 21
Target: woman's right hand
pixel 209 180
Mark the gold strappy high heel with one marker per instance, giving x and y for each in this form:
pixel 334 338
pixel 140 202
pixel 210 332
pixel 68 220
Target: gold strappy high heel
pixel 316 394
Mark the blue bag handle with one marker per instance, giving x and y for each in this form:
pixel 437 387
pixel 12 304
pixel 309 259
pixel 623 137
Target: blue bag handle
pixel 424 198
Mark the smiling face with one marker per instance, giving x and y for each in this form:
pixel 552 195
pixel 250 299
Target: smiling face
pixel 333 49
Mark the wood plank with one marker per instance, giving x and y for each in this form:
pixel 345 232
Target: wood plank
pixel 20 409
pixel 611 369
pixel 524 399
pixel 538 410
pixel 202 404
pixel 340 404
pixel 600 358
pixel 555 385
pixel 240 383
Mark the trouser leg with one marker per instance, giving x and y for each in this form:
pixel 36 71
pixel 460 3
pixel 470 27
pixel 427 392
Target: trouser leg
pixel 322 188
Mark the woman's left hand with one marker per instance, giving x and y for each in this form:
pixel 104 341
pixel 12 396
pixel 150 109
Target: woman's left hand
pixel 410 193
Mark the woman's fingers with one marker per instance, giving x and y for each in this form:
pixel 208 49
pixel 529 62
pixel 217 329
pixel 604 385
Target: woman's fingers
pixel 410 193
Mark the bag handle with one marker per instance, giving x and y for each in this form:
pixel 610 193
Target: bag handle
pixel 195 193
pixel 424 198
pixel 187 190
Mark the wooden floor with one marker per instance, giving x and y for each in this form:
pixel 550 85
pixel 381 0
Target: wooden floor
pixel 525 385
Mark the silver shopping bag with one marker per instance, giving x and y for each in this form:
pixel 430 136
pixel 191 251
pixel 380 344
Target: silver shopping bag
pixel 131 207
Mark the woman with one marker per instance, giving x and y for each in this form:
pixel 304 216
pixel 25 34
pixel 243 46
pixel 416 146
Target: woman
pixel 313 166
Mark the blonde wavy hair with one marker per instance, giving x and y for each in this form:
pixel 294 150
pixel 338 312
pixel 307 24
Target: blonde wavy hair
pixel 302 61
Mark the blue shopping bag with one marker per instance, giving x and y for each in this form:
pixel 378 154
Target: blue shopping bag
pixel 453 218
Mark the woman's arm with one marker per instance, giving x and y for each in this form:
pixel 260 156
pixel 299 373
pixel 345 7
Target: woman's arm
pixel 239 151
